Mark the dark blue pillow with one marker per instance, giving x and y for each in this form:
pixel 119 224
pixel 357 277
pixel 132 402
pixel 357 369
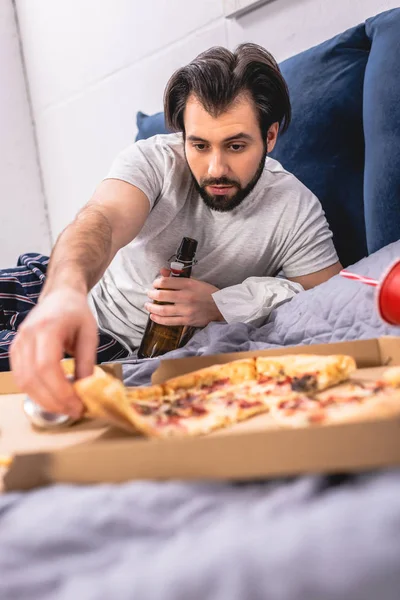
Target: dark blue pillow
pixel 324 145
pixel 382 131
pixel 149 125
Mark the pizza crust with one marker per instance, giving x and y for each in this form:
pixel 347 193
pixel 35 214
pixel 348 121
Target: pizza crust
pixel 103 397
pixel 235 372
pixel 152 394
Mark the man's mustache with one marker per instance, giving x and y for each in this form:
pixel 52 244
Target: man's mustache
pixel 222 181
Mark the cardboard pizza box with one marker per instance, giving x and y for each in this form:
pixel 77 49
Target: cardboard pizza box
pixel 93 452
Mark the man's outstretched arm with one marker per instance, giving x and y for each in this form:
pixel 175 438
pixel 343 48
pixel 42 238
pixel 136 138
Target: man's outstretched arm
pixel 62 321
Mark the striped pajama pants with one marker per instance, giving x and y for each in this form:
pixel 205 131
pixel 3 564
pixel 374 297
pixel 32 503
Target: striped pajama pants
pixel 20 288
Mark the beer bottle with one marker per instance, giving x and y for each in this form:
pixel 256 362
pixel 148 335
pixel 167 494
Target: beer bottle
pixel 159 339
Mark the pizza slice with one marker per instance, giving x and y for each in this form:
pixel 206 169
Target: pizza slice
pixel 198 412
pixel 145 410
pixel 225 390
pixel 350 402
pixel 104 397
pixel 177 408
pixel 304 373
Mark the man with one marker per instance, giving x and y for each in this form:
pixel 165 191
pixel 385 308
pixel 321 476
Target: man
pixel 212 181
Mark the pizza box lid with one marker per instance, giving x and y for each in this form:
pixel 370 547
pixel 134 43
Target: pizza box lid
pixel 92 452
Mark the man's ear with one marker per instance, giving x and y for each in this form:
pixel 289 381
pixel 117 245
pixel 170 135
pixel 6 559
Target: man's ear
pixel 272 136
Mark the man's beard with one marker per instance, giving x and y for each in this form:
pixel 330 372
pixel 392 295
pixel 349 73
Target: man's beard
pixel 227 203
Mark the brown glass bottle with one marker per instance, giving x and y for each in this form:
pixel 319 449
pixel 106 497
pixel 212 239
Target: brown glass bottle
pixel 159 339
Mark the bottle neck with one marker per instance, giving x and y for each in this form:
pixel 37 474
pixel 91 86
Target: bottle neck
pixel 184 259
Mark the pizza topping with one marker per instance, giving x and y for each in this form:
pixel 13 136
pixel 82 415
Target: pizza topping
pixel 216 385
pixel 295 403
pixel 170 412
pixel 199 410
pixel 286 380
pixel 317 417
pixel 247 404
pixel 173 419
pixel 186 400
pixel 306 383
pixel 339 400
pixel 180 408
pixel 265 379
pixel 144 409
pixel 379 387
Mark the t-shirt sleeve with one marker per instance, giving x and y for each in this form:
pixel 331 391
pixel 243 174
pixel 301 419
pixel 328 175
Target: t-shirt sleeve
pixel 141 164
pixel 308 246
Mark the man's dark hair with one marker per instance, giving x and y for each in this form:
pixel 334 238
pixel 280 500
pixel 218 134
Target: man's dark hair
pixel 218 76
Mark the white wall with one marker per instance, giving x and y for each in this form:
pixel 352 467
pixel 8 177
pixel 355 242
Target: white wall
pixel 286 27
pixel 23 227
pixel 92 64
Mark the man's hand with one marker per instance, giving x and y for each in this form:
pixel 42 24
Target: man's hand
pixel 192 303
pixel 61 323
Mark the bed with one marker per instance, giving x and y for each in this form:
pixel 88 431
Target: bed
pixel 301 538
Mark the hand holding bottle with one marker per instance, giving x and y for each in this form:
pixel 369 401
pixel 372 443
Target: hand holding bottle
pixel 191 301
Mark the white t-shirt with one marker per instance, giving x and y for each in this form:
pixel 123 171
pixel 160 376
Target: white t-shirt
pixel 280 226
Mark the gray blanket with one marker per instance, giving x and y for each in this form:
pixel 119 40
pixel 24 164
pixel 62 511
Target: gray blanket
pixel 307 538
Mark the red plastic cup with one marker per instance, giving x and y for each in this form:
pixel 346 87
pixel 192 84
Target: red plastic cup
pixel 389 295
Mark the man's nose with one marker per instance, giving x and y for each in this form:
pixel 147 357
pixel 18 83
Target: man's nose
pixel 217 166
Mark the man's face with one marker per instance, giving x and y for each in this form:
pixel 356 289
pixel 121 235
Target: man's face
pixel 226 154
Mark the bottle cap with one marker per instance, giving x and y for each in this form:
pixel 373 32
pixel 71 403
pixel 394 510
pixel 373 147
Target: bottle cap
pixel 177 266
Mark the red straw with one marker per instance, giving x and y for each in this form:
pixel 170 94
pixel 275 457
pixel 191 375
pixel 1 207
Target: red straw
pixel 361 278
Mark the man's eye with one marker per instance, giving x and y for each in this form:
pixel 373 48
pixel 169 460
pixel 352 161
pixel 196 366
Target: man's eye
pixel 237 147
pixel 200 147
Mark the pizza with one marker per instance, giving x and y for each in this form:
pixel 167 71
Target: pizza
pixel 296 391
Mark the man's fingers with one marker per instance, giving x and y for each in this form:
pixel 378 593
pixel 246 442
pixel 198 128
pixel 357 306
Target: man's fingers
pixel 62 322
pixel 22 357
pixel 168 310
pixel 26 375
pixel 85 351
pixel 165 272
pixel 174 297
pixel 49 373
pixel 169 320
pixel 172 283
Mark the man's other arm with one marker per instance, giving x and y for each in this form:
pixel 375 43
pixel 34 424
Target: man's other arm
pixel 313 279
